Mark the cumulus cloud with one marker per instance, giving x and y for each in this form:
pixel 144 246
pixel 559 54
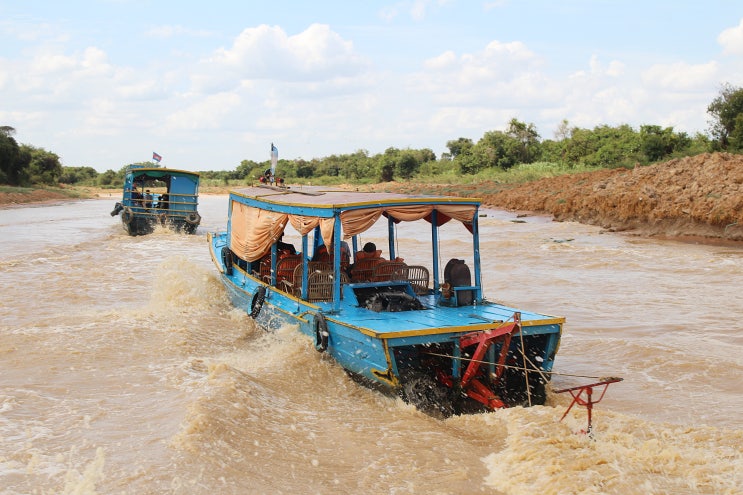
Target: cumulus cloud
pixel 497 61
pixel 206 113
pixel 731 40
pixel 267 52
pixel 681 76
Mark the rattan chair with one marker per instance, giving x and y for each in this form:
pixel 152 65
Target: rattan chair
pixel 384 271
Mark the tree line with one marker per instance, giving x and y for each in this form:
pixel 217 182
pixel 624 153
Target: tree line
pixel 520 143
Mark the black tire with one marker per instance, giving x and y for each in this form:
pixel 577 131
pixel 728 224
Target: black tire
pixel 193 218
pixel 256 304
pixel 426 394
pixel 321 333
pixel 127 215
pixel 227 260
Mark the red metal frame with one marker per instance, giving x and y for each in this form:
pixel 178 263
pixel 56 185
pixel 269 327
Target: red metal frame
pixel 588 402
pixel 470 384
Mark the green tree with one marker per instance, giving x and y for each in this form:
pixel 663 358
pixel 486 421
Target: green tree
pixel 14 160
pixel 76 175
pixel 245 169
pixel 305 170
pixel 736 135
pixel 109 178
pixel 459 146
pixel 44 167
pixel 527 136
pixel 498 149
pixel 724 111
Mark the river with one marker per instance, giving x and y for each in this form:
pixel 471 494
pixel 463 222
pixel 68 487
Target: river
pixel 124 369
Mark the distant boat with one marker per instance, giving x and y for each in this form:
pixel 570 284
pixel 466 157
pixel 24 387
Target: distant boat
pixel 158 196
pixel 423 331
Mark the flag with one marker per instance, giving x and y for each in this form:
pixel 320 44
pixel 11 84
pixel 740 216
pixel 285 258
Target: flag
pixel 274 158
pixel 156 157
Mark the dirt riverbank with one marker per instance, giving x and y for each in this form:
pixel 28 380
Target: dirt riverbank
pixel 699 196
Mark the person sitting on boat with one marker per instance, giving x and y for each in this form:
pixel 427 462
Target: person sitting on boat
pixel 136 196
pixel 369 251
pixel 285 246
pixel 322 254
pixel 164 200
pixel 370 255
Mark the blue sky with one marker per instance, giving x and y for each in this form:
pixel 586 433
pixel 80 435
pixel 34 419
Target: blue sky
pixel 208 84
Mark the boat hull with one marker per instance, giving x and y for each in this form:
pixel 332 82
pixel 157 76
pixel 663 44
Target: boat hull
pixel 154 196
pixel 391 350
pixel 146 223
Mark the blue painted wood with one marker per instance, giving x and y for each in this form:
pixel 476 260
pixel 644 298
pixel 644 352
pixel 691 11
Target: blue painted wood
pixel 378 345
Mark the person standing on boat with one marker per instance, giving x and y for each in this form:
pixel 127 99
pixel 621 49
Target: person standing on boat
pixel 147 199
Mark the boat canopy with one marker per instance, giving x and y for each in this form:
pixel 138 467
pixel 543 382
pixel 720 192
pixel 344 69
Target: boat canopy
pixel 259 215
pixel 161 173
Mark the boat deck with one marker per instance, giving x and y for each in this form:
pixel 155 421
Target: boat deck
pixel 444 319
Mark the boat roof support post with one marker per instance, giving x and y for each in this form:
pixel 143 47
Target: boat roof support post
pixel 456 362
pixel 337 238
pixel 274 257
pixel 391 237
pixel 305 259
pixel 476 254
pixel 229 224
pixel 435 251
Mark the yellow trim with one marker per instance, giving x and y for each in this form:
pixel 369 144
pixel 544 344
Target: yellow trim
pixel 134 171
pixel 379 202
pixel 209 237
pixel 456 329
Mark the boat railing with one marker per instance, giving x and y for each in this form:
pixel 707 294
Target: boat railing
pixel 417 275
pixel 288 277
pixel 157 204
pixel 320 285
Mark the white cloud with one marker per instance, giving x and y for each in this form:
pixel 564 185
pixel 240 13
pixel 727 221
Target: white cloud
pixel 267 52
pixel 206 113
pixel 731 40
pixel 442 62
pixel 168 31
pixel 496 62
pixel 681 76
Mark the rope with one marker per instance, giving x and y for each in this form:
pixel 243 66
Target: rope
pixel 526 371
pixel 519 368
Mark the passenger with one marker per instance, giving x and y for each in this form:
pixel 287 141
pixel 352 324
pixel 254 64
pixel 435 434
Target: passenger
pixel 322 254
pixel 361 272
pixel 147 199
pixel 285 246
pixel 164 200
pixel 369 251
pixel 136 197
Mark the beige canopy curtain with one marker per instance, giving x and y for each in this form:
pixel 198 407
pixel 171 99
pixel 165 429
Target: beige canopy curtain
pixel 254 230
pixel 357 221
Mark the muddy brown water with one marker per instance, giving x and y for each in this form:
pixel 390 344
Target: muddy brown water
pixel 124 369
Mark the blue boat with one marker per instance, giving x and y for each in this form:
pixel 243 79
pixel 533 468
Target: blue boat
pixel 158 196
pixel 423 331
